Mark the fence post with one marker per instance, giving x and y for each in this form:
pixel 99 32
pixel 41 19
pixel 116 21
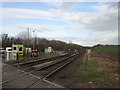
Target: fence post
pixel 86 60
pixel 18 59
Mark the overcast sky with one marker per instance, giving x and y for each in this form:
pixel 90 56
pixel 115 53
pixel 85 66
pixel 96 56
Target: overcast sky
pixel 83 23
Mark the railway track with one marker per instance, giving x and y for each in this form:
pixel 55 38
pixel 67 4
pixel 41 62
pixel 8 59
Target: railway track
pixel 27 69
pixel 27 65
pixel 43 71
pixel 51 70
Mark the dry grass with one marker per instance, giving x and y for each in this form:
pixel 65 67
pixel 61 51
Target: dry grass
pixel 99 73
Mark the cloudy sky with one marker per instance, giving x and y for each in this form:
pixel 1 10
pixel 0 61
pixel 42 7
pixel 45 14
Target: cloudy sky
pixel 83 23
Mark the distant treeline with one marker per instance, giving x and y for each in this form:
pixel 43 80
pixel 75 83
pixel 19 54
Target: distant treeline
pixel 40 43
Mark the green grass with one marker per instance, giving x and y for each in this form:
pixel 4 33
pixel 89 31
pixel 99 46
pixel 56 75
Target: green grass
pixel 112 48
pixel 90 71
pixel 96 71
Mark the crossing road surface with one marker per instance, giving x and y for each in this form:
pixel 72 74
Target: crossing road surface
pixel 10 72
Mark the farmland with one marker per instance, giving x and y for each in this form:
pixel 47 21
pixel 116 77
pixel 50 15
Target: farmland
pixel 107 49
pixel 108 52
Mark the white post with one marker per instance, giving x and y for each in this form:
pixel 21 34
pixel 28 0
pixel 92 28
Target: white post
pixel 8 56
pixel 14 56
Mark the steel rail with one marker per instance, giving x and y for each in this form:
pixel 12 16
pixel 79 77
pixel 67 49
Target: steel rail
pixel 24 69
pixel 27 73
pixel 49 74
pixel 38 60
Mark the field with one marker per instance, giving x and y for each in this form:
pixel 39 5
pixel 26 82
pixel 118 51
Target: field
pixel 107 49
pixel 101 70
pixel 109 52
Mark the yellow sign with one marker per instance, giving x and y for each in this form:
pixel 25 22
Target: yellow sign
pixel 18 49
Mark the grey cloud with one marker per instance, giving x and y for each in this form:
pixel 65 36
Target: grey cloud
pixel 63 5
pixel 105 20
pixel 89 40
pixel 113 4
pixel 68 5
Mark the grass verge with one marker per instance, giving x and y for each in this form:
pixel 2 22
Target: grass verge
pixel 97 73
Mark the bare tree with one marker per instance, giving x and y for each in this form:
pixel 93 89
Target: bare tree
pixel 26 38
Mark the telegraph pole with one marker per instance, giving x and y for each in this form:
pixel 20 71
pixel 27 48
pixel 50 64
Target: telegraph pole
pixel 33 41
pixel 28 33
pixel 28 36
